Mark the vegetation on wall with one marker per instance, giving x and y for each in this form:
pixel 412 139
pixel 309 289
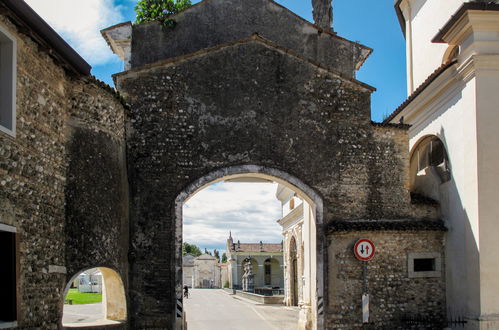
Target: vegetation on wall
pixel 160 10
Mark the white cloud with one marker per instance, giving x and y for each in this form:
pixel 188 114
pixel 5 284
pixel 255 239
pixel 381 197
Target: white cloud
pixel 79 23
pixel 249 210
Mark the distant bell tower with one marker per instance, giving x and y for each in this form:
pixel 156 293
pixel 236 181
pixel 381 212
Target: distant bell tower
pixel 323 13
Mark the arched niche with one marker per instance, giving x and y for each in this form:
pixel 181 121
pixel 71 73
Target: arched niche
pixel 114 306
pixel 429 167
pixel 451 53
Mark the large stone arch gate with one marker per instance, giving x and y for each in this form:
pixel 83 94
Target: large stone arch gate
pixel 248 87
pixel 303 191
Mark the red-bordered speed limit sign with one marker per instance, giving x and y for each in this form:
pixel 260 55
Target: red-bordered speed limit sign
pixel 364 249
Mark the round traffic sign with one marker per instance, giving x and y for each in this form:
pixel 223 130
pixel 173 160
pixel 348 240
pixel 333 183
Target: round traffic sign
pixel 364 249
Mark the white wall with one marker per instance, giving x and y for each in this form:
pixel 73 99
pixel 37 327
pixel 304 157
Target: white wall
pixel 424 18
pixel 451 117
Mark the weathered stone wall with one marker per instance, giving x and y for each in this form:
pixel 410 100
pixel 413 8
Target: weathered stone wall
pixel 394 298
pixel 247 103
pixel 32 179
pixel 214 22
pixel 96 185
pixel 54 109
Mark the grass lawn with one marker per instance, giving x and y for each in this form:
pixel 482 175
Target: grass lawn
pixel 80 298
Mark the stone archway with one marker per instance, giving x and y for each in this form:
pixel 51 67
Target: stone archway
pixel 114 304
pixel 316 246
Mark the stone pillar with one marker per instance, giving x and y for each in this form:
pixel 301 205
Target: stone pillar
pixel 323 13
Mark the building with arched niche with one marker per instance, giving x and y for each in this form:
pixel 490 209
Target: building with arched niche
pixel 266 262
pixel 296 228
pixel 453 82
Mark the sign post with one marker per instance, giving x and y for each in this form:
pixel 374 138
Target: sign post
pixel 364 251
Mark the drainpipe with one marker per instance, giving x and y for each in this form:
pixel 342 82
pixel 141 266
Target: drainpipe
pixel 409 50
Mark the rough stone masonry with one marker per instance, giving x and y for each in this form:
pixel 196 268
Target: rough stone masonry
pixel 249 83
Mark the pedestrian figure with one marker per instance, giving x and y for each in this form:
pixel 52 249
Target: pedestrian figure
pixel 186 291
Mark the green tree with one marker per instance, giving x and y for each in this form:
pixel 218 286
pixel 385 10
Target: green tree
pixel 151 10
pixel 191 249
pixel 216 254
pixel 224 258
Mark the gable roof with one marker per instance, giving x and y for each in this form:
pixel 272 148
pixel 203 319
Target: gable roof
pixel 253 38
pixel 290 12
pixel 214 22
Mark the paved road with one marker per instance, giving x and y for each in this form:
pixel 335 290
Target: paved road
pixel 212 309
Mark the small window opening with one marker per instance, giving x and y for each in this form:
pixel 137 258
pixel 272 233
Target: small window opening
pixel 424 265
pixel 292 204
pixel 8 308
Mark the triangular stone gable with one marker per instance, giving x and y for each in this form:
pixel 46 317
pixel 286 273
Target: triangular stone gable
pixel 222 47
pixel 214 22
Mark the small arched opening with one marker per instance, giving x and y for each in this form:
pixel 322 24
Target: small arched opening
pixel 94 297
pixel 429 167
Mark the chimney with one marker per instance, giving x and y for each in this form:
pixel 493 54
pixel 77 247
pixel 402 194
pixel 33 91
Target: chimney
pixel 323 13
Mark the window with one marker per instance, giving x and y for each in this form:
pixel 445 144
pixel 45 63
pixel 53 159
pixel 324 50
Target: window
pixel 7 82
pixel 424 264
pixel 292 204
pixel 8 287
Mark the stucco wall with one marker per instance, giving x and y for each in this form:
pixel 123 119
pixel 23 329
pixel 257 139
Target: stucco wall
pixel 426 17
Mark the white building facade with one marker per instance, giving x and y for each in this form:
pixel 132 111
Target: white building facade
pixel 201 272
pixel 453 109
pixel 298 229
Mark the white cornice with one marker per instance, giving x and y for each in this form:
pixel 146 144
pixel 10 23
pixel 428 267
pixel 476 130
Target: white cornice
pixel 292 218
pixel 426 103
pixel 473 21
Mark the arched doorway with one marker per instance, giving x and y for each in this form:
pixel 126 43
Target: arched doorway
pixel 315 242
pixel 94 297
pixel 293 264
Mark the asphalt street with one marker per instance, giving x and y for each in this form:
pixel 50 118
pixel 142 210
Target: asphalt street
pixel 214 309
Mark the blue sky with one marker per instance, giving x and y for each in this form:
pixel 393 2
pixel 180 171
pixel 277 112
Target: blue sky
pixel 250 210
